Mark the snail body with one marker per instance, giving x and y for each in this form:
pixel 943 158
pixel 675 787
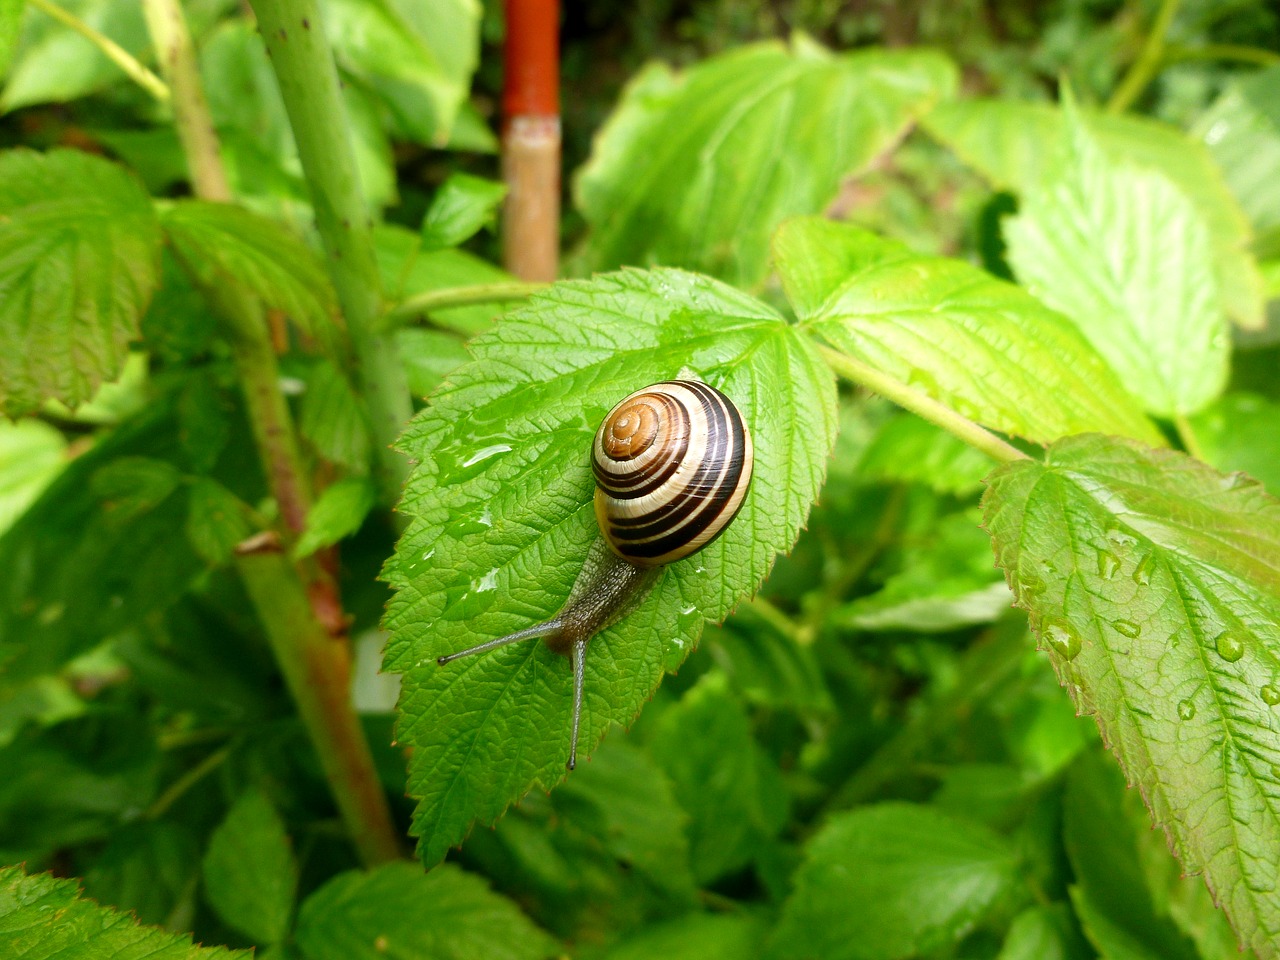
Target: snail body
pixel 672 464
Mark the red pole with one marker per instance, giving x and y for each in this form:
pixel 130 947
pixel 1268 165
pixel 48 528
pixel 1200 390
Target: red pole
pixel 531 139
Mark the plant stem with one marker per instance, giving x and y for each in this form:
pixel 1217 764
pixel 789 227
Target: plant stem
pixel 172 40
pixel 190 777
pixel 922 405
pixel 117 54
pixel 1222 51
pixel 301 614
pixel 317 670
pixel 312 94
pixel 1187 434
pixel 1144 69
pixel 429 300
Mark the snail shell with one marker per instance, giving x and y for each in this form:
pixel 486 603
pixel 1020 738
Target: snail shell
pixel 672 464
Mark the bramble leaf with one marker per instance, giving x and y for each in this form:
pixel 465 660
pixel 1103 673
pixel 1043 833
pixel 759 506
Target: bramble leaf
pixel 42 918
pixel 336 514
pixel 696 169
pixel 982 346
pixel 1012 144
pixel 891 881
pixel 500 519
pixel 220 243
pixel 79 260
pixel 250 875
pixel 1154 581
pixel 397 912
pixel 461 206
pixel 1125 255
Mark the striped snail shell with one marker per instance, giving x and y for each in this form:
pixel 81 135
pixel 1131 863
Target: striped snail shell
pixel 672 464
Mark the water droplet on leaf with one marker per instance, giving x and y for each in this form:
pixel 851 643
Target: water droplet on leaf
pixel 1126 627
pixel 1031 585
pixel 1270 695
pixel 1142 572
pixel 1108 564
pixel 1229 646
pixel 1186 710
pixel 1062 639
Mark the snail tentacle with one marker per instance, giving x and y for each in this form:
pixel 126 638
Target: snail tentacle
pixel 554 625
pixel 579 676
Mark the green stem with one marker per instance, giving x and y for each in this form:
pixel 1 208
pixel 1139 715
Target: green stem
pixel 1187 434
pixel 922 405
pixel 312 94
pixel 429 300
pixel 189 779
pixel 117 54
pixel 176 54
pixel 299 608
pixel 1222 51
pixel 317 670
pixel 1144 69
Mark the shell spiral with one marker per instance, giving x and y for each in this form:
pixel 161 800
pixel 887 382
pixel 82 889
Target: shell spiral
pixel 672 464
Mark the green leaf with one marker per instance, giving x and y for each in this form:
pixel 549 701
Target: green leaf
pixel 1242 131
pixel 1126 256
pixel 149 868
pixel 79 259
pixel 31 454
pixel 910 450
pixel 1043 933
pixel 461 206
pixel 54 64
pixel 332 418
pixel 983 347
pixel 428 357
pixel 731 789
pixel 396 912
pixel 1155 583
pixel 418 57
pixel 222 244
pixel 10 28
pixel 1012 144
pixel 623 798
pixel 217 520
pixel 891 881
pixel 697 169
pixel 1241 431
pixel 42 918
pixel 250 875
pixel 696 936
pixel 500 519
pixel 1100 839
pixel 129 486
pixel 337 514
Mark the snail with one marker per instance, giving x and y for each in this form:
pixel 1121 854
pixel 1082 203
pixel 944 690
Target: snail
pixel 672 464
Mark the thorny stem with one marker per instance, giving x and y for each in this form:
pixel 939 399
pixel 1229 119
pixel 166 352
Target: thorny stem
pixel 429 300
pixel 121 57
pixel 301 615
pixel 309 84
pixel 1144 69
pixel 923 406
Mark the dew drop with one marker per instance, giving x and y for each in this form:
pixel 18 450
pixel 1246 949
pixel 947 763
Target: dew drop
pixel 1142 572
pixel 1126 627
pixel 1031 585
pixel 1123 541
pixel 1275 771
pixel 1229 646
pixel 1062 639
pixel 1270 695
pixel 484 453
pixel 1108 565
pixel 1186 710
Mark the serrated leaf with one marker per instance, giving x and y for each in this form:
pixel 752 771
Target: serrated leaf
pixel 42 918
pixel 79 259
pixel 501 519
pixel 731 789
pixel 461 206
pixel 217 520
pixel 696 169
pixel 1013 143
pixel 891 881
pixel 250 875
pixel 982 346
pixel 222 244
pixel 1126 256
pixel 907 449
pixel 1155 581
pixel 396 912
pixel 337 514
